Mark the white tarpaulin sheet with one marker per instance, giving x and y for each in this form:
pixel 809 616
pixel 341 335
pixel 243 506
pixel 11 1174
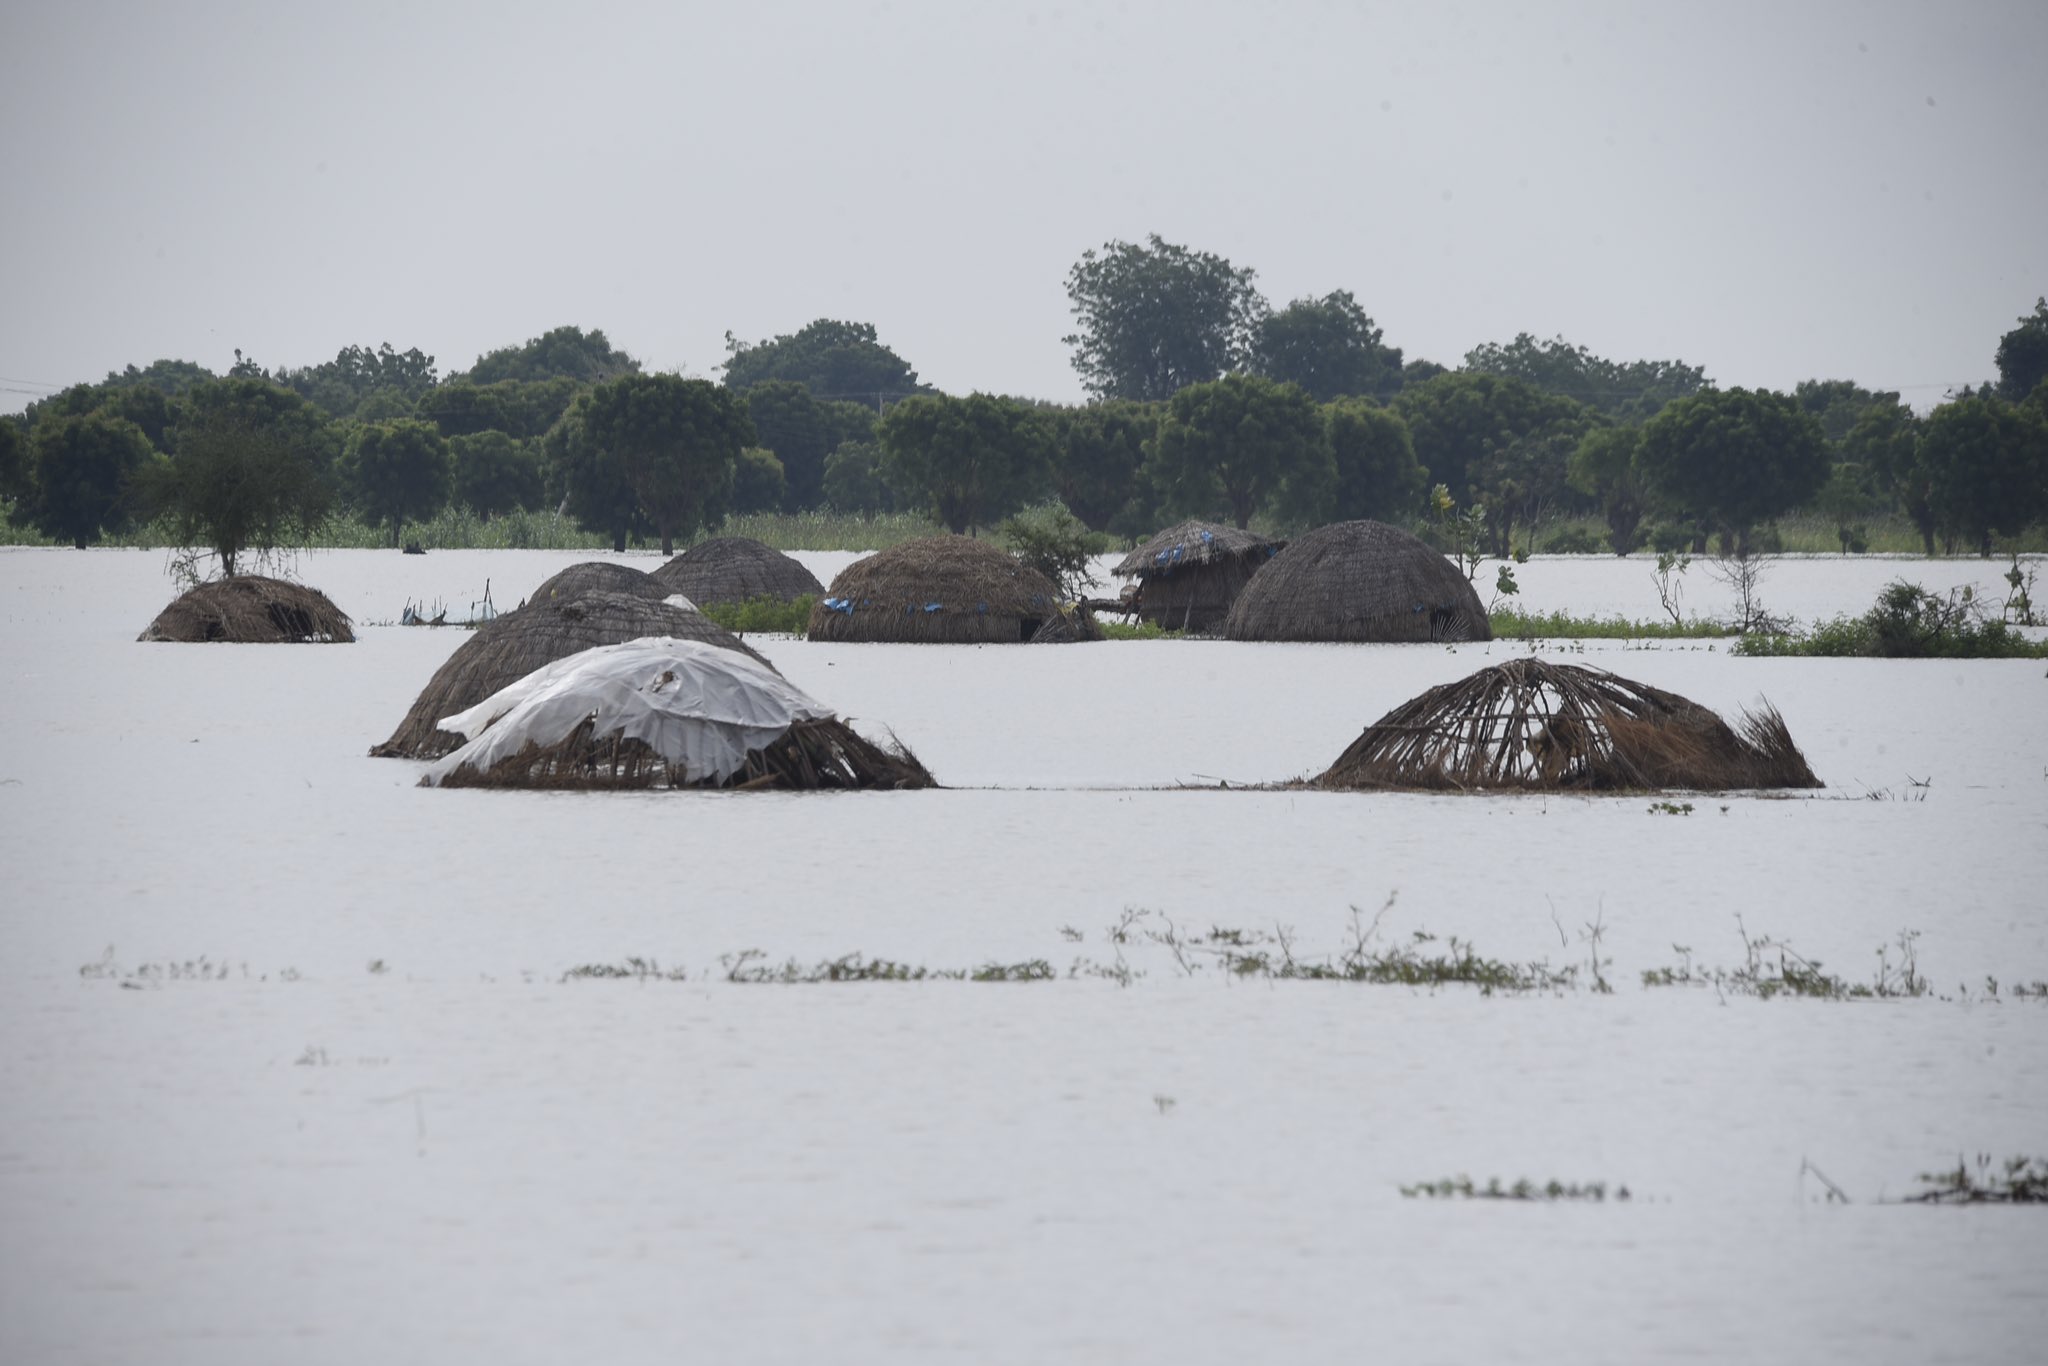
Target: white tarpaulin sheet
pixel 698 706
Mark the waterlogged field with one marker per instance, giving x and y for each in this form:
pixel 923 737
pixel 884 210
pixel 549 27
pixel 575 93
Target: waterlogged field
pixel 303 1062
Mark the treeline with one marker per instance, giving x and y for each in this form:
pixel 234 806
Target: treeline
pixel 1206 401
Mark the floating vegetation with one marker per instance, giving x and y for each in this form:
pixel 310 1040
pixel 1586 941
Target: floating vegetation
pixel 1463 1188
pixel 2016 1181
pixel 1771 968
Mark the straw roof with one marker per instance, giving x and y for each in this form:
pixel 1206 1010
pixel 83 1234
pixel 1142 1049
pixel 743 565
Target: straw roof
pixel 598 575
pixel 1196 543
pixel 663 713
pixel 936 589
pixel 503 651
pixel 254 610
pixel 1358 581
pixel 735 569
pixel 1528 726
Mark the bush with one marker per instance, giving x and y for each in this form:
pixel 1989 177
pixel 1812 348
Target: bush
pixel 787 616
pixel 1907 622
pixel 1054 542
pixel 1574 540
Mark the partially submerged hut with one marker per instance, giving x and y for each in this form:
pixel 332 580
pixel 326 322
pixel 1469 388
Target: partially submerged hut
pixel 1358 581
pixel 1529 726
pixel 663 713
pixel 1188 575
pixel 939 590
pixel 599 576
pixel 503 651
pixel 252 609
pixel 736 569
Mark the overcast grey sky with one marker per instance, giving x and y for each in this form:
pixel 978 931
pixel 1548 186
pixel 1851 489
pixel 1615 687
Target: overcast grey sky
pixel 1773 191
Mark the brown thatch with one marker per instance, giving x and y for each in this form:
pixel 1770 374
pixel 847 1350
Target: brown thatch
pixel 940 589
pixel 736 569
pixel 592 576
pixel 254 610
pixel 1189 575
pixel 1358 581
pixel 824 754
pixel 503 651
pixel 1069 625
pixel 1528 726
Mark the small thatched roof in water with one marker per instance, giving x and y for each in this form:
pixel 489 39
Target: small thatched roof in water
pixel 251 609
pixel 503 651
pixel 1193 544
pixel 663 713
pixel 1528 726
pixel 939 589
pixel 1358 581
pixel 735 569
pixel 608 576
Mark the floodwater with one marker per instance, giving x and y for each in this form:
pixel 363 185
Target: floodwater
pixel 376 1123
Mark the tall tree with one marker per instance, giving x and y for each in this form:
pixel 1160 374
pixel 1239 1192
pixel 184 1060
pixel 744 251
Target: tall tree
pixel 971 460
pixel 1735 457
pixel 1374 457
pixel 1886 442
pixel 13 460
pixel 589 480
pixel 399 470
pixel 2023 355
pixel 1155 318
pixel 236 486
pixel 563 353
pixel 1987 463
pixel 1633 391
pixel 1460 421
pixel 1838 404
pixel 1329 346
pixel 521 409
pixel 798 429
pixel 79 466
pixel 1235 444
pixel 259 404
pixel 853 479
pixel 494 473
pixel 833 359
pixel 171 378
pixel 339 387
pixel 1099 458
pixel 1604 466
pixel 675 442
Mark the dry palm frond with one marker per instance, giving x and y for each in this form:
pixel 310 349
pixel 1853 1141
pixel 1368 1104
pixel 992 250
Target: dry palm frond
pixel 736 569
pixel 1364 581
pixel 252 609
pixel 503 651
pixel 1530 726
pixel 939 589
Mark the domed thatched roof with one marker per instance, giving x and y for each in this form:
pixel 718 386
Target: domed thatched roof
pixel 254 610
pixel 503 651
pixel 1194 543
pixel 1358 581
pixel 598 575
pixel 734 569
pixel 1528 726
pixel 936 589
pixel 663 713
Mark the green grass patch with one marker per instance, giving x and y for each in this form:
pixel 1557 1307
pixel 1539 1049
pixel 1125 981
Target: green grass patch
pixel 787 616
pixel 1510 624
pixel 1907 622
pixel 1136 630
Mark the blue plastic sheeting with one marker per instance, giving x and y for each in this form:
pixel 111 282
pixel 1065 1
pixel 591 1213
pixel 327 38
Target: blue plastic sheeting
pixel 1208 535
pixel 981 609
pixel 933 607
pixel 844 605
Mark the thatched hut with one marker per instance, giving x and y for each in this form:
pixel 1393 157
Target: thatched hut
pixel 1358 581
pixel 938 590
pixel 736 569
pixel 253 610
pixel 1528 726
pixel 503 651
pixel 608 576
pixel 663 713
pixel 1189 575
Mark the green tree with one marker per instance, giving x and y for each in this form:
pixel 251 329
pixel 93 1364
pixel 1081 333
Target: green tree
pixel 1156 318
pixel 1838 404
pixel 1604 466
pixel 759 483
pixel 1886 442
pixel 675 442
pixel 79 466
pixel 563 353
pixel 235 486
pixel 1460 420
pixel 521 409
pixel 853 479
pixel 147 407
pixel 1099 458
pixel 494 473
pixel 172 378
pixel 798 429
pixel 1987 463
pixel 2023 355
pixel 834 360
pixel 1329 346
pixel 339 387
pixel 261 405
pixel 589 481
pixel 971 460
pixel 399 470
pixel 1236 444
pixel 1734 457
pixel 13 461
pixel 1633 391
pixel 1377 475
